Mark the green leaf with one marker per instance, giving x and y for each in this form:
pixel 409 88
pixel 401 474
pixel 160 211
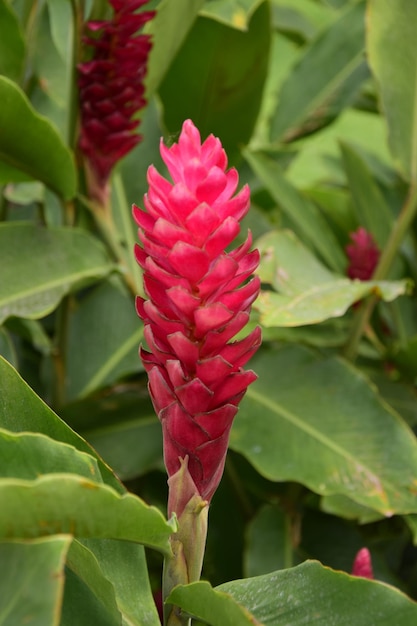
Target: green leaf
pixel 168 29
pixel 127 229
pixel 32 331
pixel 7 349
pixel 25 193
pixel 282 57
pixel 325 66
pixel 324 426
pixel 12 45
pixel 32 583
pixel 305 216
pixel 21 410
pixel 344 507
pixel 28 455
pixel 99 354
pixel 38 266
pixel 371 208
pixel 393 59
pixel 411 521
pixel 65 503
pixel 122 427
pixel 132 447
pixel 303 17
pixel 213 607
pixel 89 595
pixel 42 155
pixel 293 596
pixel 234 13
pixel 54 95
pixel 308 292
pixel 318 159
pixel 60 15
pixel 268 542
pixel 217 80
pixel 124 565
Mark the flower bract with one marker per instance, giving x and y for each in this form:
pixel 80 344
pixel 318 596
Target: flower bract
pixel 198 297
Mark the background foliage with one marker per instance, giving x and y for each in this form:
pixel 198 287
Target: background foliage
pixel 315 103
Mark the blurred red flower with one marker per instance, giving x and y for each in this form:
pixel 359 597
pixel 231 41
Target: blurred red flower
pixel 362 565
pixel 363 255
pixel 112 91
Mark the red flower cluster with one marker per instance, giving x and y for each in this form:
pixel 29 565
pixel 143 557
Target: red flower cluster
pixel 363 255
pixel 111 89
pixel 362 565
pixel 198 300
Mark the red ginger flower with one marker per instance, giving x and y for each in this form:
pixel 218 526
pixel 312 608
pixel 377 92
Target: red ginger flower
pixel 362 565
pixel 363 255
pixel 112 91
pixel 198 299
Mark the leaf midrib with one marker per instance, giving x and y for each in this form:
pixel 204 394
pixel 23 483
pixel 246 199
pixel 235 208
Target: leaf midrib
pixel 323 439
pixel 63 281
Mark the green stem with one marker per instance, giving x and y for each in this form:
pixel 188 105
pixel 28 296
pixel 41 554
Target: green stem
pixel 105 223
pixel 184 566
pixel 364 313
pixel 187 543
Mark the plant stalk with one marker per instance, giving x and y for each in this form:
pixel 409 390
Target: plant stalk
pixel 188 543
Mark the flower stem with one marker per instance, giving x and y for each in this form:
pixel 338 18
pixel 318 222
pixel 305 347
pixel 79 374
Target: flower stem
pixel 105 223
pixel 188 546
pixel 364 313
pixel 188 543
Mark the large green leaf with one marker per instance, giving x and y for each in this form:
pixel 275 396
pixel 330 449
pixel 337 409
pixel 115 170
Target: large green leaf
pixel 217 80
pixel 307 292
pixel 29 143
pixel 393 59
pixel 38 266
pixel 168 29
pixel 12 45
pixel 21 410
pixel 325 66
pixel 123 564
pixel 100 353
pixel 320 423
pixel 89 596
pixel 32 581
pixel 28 455
pixel 302 213
pixel 292 597
pixel 65 503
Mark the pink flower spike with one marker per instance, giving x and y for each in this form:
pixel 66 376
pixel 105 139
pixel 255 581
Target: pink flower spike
pixel 111 91
pixel 362 565
pixel 199 297
pixel 363 255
